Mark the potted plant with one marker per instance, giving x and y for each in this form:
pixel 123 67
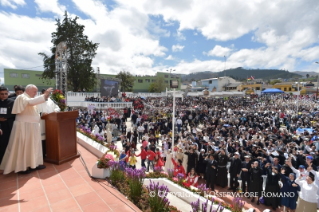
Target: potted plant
pixel 101 169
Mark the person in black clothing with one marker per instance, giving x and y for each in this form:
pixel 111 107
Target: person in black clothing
pixel 211 171
pixel 127 146
pixel 134 117
pixel 13 94
pixel 272 187
pixel 6 120
pixel 222 170
pixel 135 136
pixel 245 174
pixel 200 168
pixel 152 146
pixel 234 170
pixel 192 160
pixel 18 90
pixel 256 181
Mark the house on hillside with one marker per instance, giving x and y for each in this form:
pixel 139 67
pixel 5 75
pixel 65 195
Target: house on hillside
pixel 211 84
pixel 254 85
pixel 235 86
pixel 287 86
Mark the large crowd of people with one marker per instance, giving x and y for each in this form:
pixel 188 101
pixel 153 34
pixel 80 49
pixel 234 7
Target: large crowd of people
pixel 247 138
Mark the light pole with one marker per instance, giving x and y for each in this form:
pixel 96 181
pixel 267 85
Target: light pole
pixel 174 85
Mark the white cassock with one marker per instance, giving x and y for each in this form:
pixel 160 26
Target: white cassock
pixel 25 147
pixel 47 107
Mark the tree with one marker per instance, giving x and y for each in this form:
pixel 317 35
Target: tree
pixel 307 75
pixel 127 80
pixel 274 82
pixel 158 86
pixel 80 53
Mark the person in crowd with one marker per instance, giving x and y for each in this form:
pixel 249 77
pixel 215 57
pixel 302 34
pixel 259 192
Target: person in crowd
pixel 192 159
pixel 307 200
pixel 152 146
pixel 140 130
pixel 150 159
pixel 289 191
pixel 211 171
pixel 201 168
pixel 45 108
pixel 6 119
pixel 222 160
pixel 143 156
pixel 178 167
pixel 256 181
pixel 234 170
pixel 18 90
pixel 158 162
pixel 122 159
pixel 272 187
pixel 245 174
pixel 163 152
pixel 157 135
pixel 135 136
pixel 13 94
pixel 24 151
pixel 132 160
pixel 192 178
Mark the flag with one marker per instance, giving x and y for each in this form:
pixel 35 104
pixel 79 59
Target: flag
pixel 249 79
pixel 252 78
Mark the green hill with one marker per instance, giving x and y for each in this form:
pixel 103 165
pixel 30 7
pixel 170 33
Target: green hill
pixel 242 74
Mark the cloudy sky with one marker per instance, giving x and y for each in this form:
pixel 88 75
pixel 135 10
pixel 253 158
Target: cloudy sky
pixel 145 36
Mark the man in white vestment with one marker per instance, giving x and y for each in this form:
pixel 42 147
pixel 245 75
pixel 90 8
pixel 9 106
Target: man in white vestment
pixel 24 151
pixel 45 108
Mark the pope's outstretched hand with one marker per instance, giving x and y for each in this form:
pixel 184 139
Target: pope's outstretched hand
pixel 47 93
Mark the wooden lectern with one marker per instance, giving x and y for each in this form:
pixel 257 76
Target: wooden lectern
pixel 61 139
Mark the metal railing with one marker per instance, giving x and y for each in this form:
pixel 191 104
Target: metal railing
pixel 100 105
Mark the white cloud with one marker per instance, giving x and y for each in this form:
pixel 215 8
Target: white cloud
pixel 50 6
pixel 219 51
pixel 170 57
pixel 22 39
pixel 12 3
pixel 179 36
pixel 177 48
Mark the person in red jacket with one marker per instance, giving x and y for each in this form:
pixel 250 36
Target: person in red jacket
pixel 150 157
pixel 158 163
pixel 192 178
pixel 157 152
pixel 143 155
pixel 178 167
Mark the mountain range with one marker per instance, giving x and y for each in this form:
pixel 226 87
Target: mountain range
pixel 242 74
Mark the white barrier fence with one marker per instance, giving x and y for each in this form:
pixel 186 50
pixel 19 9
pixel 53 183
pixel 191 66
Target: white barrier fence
pixel 217 94
pixel 100 105
pixel 145 94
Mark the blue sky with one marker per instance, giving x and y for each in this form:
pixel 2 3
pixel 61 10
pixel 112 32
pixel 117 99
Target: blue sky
pixel 144 37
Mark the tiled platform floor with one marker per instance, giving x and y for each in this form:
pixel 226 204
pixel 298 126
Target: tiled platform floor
pixel 65 187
